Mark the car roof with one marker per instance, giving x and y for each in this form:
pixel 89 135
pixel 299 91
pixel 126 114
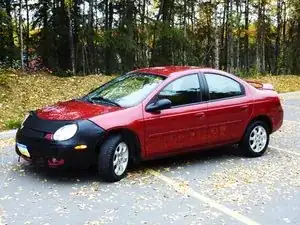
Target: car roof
pixel 166 70
pixel 170 70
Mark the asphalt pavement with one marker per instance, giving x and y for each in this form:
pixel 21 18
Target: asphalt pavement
pixel 213 187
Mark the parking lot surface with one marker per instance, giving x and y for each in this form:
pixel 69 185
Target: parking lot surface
pixel 213 187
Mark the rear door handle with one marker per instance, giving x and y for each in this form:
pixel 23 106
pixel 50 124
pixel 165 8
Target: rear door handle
pixel 200 115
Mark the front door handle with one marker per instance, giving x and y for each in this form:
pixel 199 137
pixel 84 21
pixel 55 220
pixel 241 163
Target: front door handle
pixel 244 108
pixel 199 115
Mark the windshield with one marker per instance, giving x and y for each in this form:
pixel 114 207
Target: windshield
pixel 126 91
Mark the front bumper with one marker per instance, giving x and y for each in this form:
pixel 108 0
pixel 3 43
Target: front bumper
pixel 52 153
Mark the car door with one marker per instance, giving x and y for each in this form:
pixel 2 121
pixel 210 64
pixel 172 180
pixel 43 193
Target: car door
pixel 228 109
pixel 181 127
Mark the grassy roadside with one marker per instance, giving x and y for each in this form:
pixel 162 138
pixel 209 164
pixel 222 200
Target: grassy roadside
pixel 21 93
pixel 282 83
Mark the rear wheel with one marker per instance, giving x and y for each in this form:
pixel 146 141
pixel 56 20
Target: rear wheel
pixel 113 158
pixel 256 139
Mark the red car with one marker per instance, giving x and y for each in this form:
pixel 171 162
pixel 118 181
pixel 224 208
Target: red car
pixel 151 113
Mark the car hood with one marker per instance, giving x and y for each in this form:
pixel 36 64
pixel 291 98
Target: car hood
pixel 74 110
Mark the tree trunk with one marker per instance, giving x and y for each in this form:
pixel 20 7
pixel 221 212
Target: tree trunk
pixel 71 41
pixel 153 50
pixel 184 30
pixel 27 33
pixel 8 8
pixel 216 34
pixel 246 39
pixel 143 58
pixel 127 28
pixel 277 44
pixel 76 31
pixel 167 14
pixel 229 37
pixel 238 10
pixel 192 15
pixel 284 38
pixel 109 13
pixel 263 41
pixel 21 37
pixel 223 41
pixel 90 36
pixel 258 38
pixel 106 28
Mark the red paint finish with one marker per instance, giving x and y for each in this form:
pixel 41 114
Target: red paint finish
pixel 74 110
pixel 166 70
pixel 228 118
pixel 180 129
pixel 174 131
pixel 128 118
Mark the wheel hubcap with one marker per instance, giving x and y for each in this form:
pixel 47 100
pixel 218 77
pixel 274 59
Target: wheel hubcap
pixel 258 139
pixel 120 159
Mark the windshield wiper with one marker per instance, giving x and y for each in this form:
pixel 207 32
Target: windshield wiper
pixel 104 99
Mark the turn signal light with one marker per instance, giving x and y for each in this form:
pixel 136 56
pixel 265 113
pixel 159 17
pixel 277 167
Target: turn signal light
pixel 80 147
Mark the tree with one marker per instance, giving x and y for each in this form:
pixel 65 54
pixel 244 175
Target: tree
pixel 113 36
pixel 246 37
pixel 21 35
pixel 7 46
pixel 68 4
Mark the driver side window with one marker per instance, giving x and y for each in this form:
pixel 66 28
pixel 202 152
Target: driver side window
pixel 182 91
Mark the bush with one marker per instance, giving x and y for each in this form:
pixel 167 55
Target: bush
pixel 13 123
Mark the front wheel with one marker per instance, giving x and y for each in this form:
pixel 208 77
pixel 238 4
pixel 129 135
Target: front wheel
pixel 256 139
pixel 113 158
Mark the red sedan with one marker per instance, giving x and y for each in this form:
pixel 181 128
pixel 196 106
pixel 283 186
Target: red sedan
pixel 151 113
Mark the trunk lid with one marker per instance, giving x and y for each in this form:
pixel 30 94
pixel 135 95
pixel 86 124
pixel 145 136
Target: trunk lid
pixel 261 86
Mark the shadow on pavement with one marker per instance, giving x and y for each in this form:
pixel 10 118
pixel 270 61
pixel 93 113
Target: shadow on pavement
pixel 69 176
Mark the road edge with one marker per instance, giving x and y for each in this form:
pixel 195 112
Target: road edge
pixel 8 134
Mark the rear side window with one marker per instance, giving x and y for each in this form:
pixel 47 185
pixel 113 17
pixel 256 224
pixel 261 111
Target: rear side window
pixel 222 87
pixel 183 91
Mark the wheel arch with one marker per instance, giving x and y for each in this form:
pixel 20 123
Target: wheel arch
pixel 263 118
pixel 133 142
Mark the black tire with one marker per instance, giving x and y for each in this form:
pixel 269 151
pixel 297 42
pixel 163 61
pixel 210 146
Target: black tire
pixel 245 145
pixel 106 157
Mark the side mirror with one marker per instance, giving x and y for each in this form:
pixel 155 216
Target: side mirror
pixel 159 105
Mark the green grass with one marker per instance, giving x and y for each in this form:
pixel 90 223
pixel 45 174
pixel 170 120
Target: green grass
pixel 13 123
pixel 22 93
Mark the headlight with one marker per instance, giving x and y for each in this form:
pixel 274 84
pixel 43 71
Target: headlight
pixel 66 132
